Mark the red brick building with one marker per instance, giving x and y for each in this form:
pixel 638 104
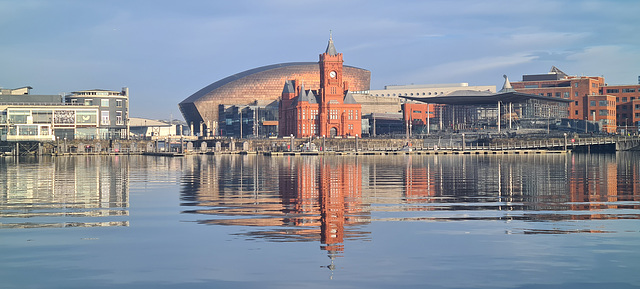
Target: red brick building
pixel 418 113
pixel 589 94
pixel 602 108
pixel 627 105
pixel 558 84
pixel 329 111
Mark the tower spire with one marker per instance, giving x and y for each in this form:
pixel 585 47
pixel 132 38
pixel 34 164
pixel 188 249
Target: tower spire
pixel 331 49
pixel 507 85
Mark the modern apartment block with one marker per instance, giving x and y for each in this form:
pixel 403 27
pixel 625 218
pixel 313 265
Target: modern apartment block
pixel 95 114
pixel 113 110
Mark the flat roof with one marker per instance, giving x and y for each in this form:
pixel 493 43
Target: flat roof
pixel 417 86
pixel 467 97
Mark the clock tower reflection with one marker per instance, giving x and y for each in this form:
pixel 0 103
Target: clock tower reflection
pixel 299 199
pixel 328 188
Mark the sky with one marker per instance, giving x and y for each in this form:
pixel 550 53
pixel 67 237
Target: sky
pixel 164 51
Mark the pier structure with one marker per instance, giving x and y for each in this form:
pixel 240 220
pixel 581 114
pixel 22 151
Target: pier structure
pixel 453 144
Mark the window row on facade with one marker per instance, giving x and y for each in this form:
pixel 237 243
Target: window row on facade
pixel 103 102
pixel 409 94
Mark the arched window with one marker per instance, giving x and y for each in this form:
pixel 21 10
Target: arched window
pixel 333 132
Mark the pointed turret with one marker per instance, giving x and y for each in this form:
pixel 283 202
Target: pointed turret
pixel 507 85
pixel 303 94
pixel 288 87
pixel 331 50
pixel 348 98
pixel 312 97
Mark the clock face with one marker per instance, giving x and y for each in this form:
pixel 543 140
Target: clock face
pixel 332 74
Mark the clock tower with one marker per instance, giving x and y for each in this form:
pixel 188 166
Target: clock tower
pixel 330 111
pixel 331 85
pixel 331 88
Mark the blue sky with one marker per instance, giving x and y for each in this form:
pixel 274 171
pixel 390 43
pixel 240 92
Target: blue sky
pixel 166 50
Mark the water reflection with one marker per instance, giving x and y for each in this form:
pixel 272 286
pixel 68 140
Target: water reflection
pixel 286 199
pixel 332 199
pixel 63 192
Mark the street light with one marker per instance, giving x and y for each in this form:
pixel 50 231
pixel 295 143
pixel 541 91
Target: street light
pixel 565 141
pixel 356 142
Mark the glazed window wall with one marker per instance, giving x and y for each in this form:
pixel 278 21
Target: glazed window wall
pixel 19 116
pixel 86 133
pixel 23 130
pixel 87 117
pixel 42 116
pixel 28 130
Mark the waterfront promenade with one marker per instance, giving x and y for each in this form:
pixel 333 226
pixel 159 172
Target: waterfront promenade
pixel 449 144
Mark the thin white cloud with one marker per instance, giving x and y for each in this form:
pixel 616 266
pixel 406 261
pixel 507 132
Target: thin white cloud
pixel 470 67
pixel 547 39
pixel 606 60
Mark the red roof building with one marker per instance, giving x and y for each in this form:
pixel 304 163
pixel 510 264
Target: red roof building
pixel 329 111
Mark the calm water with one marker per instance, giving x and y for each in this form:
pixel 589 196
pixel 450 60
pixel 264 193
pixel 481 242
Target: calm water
pixel 516 221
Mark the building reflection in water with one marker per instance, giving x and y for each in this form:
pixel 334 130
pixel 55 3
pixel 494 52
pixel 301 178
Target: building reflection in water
pixel 534 187
pixel 63 192
pixel 288 199
pixel 331 199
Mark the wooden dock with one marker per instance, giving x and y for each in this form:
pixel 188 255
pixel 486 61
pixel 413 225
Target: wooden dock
pixel 421 152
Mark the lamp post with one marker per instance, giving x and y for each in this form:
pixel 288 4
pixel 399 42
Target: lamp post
pixel 548 119
pixel 240 110
pixel 586 122
pixel 323 143
pixel 428 117
pixel 565 141
pixel 291 143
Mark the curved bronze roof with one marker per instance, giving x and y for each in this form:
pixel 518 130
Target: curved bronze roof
pixel 261 83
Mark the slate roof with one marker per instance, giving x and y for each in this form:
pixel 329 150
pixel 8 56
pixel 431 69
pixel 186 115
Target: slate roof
pixel 313 99
pixel 331 49
pixel 482 98
pixel 348 98
pixel 288 87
